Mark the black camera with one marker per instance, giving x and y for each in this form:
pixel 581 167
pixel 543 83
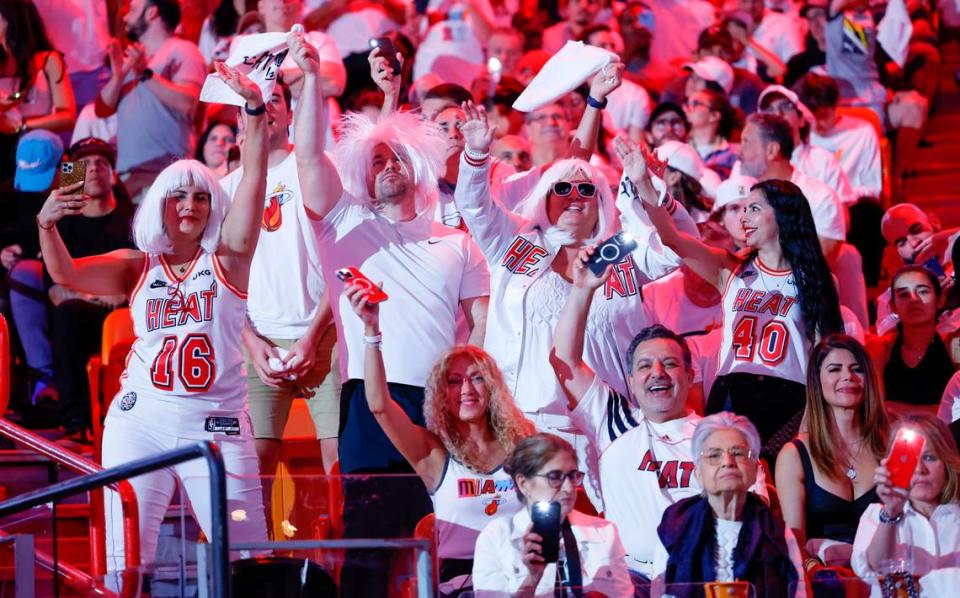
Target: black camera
pixel 612 251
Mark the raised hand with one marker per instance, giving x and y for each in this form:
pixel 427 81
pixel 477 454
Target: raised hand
pixel 381 71
pixel 583 276
pixel 476 130
pixel 240 84
pixel 638 161
pixel 65 201
pixel 135 59
pixel 608 79
pixel 369 313
pixel 303 52
pixel 118 66
pixel 892 497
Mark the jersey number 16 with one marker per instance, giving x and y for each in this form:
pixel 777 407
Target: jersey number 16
pixel 197 365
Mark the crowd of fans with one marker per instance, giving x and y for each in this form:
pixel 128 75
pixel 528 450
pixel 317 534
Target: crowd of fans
pixel 725 394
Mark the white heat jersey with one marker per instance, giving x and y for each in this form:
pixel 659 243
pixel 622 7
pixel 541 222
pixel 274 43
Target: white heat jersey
pixel 763 329
pixel 465 502
pixel 188 349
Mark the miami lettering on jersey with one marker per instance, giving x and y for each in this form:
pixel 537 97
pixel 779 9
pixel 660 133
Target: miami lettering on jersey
pixel 177 310
pixel 670 474
pixel 493 489
pixel 623 281
pixel 272 215
pixel 522 256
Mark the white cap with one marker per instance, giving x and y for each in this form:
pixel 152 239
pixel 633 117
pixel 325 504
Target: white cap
pixel 713 69
pixel 681 156
pixel 790 95
pixel 733 189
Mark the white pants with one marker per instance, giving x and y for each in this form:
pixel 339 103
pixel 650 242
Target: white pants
pixel 152 426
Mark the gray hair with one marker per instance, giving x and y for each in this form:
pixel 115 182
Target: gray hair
pixel 724 421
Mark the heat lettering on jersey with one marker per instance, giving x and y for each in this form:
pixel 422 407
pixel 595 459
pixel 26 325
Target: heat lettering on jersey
pixel 758 302
pixel 670 474
pixel 521 255
pixel 176 310
pixel 470 487
pixel 623 281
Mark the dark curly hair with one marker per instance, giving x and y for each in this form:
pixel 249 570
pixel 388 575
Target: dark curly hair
pixel 26 37
pixel 817 293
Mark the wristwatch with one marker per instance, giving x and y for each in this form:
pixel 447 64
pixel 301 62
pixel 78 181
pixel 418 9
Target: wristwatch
pixel 595 103
pixel 146 75
pixel 888 519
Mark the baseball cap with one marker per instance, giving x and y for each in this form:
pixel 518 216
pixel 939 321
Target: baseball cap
pixel 681 156
pixel 896 221
pixel 733 189
pixel 713 69
pixel 790 95
pixel 38 154
pixel 93 145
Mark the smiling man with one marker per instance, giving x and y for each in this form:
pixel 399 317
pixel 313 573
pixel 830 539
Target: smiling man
pixel 646 463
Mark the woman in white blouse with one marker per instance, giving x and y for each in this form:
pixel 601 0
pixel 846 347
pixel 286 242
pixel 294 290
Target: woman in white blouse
pixel 507 561
pixel 913 536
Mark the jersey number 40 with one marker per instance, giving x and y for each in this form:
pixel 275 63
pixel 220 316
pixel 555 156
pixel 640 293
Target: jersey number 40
pixel 195 360
pixel 770 344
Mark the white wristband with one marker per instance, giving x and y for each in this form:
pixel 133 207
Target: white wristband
pixel 373 341
pixel 476 156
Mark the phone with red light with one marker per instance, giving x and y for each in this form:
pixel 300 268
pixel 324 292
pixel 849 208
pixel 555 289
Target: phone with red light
pixel 904 456
pixel 352 275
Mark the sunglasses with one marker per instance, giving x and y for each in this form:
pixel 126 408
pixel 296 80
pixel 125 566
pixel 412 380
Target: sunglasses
pixel 585 190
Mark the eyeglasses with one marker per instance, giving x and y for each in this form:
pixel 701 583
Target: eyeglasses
pixel 555 478
pixel 585 190
pixel 714 456
pixel 780 108
pixel 666 123
pixel 691 104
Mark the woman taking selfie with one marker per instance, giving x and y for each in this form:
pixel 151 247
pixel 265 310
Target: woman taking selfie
pixel 825 475
pixel 778 298
pixel 913 534
pixel 509 560
pixel 472 425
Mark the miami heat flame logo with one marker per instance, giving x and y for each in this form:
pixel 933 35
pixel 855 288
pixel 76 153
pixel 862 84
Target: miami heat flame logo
pixel 272 215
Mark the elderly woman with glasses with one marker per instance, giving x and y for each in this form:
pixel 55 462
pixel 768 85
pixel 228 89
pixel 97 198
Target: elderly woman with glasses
pixel 727 533
pixel 532 252
pixel 509 557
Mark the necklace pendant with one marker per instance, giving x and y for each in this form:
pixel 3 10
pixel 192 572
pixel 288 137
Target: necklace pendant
pixel 851 473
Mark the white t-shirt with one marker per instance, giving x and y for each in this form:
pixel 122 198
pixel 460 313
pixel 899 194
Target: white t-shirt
pixel 949 410
pixel 778 33
pixel 628 106
pixel 286 252
pixel 426 268
pixel 829 215
pixel 80 29
pixel 666 303
pixel 821 165
pixel 855 144
pixel 91 125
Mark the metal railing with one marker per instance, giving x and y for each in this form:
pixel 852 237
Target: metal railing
pixel 79 464
pixel 219 538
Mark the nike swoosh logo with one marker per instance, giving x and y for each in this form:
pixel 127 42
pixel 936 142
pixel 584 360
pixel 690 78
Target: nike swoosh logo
pixel 433 241
pixel 156 284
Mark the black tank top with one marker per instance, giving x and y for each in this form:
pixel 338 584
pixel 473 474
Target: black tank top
pixel 922 385
pixel 828 515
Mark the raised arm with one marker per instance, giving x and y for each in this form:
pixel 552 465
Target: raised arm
pixel 241 226
pixel 574 374
pixel 710 263
pixel 585 139
pixel 120 65
pixel 113 273
pixel 382 74
pixel 319 180
pixel 420 447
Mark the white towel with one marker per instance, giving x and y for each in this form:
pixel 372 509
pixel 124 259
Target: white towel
pixel 258 57
pixel 565 71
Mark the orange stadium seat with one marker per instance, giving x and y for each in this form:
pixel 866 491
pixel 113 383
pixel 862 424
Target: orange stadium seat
pixel 103 371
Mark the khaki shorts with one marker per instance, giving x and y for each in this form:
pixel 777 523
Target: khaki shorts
pixel 270 407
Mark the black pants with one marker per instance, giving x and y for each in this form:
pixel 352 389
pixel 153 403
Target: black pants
pixel 865 235
pixel 774 405
pixel 76 331
pixel 376 504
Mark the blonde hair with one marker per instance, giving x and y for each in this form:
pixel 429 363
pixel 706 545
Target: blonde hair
pixel 533 207
pixel 871 416
pixel 940 441
pixel 503 417
pixel 418 143
pixel 149 230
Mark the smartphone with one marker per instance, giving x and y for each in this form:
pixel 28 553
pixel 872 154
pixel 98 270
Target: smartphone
pixel 388 51
pixel 374 293
pixel 904 456
pixel 546 523
pixel 933 264
pixel 71 173
pixel 612 251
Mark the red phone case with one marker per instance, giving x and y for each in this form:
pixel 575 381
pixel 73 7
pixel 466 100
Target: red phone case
pixel 374 293
pixel 904 456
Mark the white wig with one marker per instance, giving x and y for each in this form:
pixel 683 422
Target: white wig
pixel 418 143
pixel 533 207
pixel 149 231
